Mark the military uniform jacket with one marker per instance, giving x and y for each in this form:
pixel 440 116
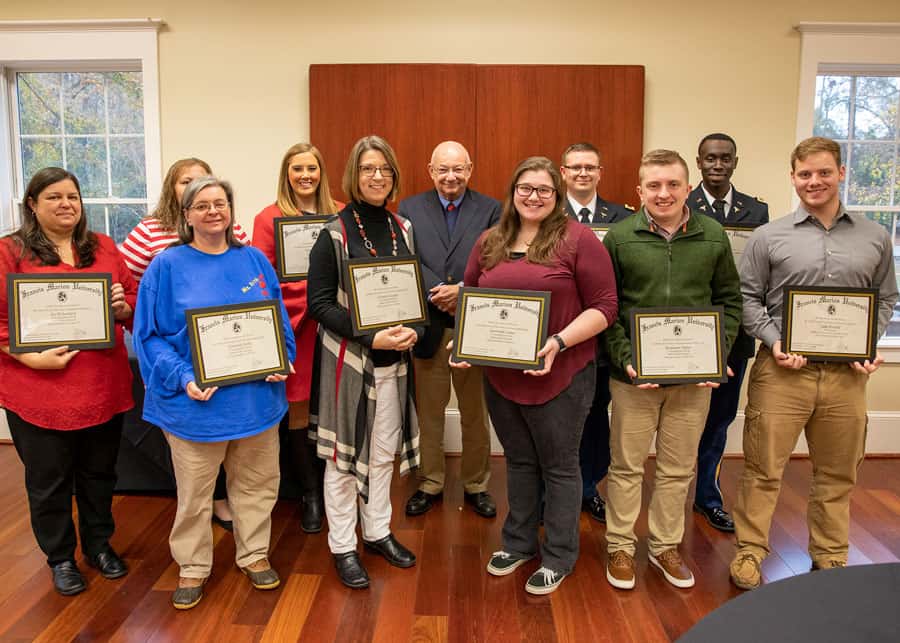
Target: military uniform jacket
pixel 745 210
pixel 606 211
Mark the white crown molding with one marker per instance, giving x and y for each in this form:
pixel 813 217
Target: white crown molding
pixel 119 24
pixel 849 28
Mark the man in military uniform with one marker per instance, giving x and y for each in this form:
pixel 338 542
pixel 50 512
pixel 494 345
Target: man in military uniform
pixel 716 197
pixel 582 172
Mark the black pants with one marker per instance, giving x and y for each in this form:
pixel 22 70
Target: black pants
pixel 58 462
pixel 594 452
pixel 540 443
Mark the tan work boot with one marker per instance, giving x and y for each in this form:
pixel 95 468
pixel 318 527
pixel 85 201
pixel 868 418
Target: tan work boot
pixel 620 570
pixel 670 563
pixel 745 570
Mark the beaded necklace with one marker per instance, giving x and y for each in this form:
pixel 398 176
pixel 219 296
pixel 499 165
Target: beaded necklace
pixel 367 243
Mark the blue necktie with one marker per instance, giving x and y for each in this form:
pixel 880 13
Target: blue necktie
pixel 452 215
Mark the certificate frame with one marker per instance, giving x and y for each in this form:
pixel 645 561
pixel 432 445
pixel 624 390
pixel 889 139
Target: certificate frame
pixel 233 313
pixel 599 229
pixel 790 295
pixel 717 313
pixel 469 296
pixel 732 228
pixel 390 264
pixel 62 281
pixel 283 224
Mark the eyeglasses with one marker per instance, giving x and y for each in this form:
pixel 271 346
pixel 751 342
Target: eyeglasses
pixel 368 171
pixel 578 169
pixel 525 191
pixel 206 208
pixel 456 169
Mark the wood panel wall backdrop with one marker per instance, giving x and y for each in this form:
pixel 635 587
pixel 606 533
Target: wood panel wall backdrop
pixel 501 113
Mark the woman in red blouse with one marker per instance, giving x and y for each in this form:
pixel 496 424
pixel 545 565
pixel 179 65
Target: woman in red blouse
pixel 302 190
pixel 539 414
pixel 65 407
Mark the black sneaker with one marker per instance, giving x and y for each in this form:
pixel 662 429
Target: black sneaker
pixel 544 581
pixel 503 563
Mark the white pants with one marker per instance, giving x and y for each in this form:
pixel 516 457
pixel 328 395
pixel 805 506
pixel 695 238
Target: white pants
pixel 341 498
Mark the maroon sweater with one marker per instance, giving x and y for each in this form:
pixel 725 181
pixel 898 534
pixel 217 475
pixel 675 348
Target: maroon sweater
pixel 580 278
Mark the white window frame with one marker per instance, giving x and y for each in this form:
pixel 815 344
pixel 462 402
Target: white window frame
pixel 855 47
pixel 84 45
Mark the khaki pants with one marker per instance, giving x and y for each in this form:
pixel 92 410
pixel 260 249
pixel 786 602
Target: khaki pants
pixel 251 465
pixel 676 415
pixel 828 402
pixel 433 377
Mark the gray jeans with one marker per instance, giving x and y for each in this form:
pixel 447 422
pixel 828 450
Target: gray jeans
pixel 540 443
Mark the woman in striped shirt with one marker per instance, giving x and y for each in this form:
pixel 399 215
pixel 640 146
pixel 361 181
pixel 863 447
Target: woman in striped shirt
pixel 155 233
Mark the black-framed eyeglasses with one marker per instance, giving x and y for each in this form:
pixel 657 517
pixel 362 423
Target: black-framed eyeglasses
pixel 578 169
pixel 525 191
pixel 368 171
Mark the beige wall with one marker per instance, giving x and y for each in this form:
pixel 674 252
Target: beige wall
pixel 234 79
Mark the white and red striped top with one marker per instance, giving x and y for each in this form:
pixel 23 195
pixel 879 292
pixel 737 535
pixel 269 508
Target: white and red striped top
pixel 148 239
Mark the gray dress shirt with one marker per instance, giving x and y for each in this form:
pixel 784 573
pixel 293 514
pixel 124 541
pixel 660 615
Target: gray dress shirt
pixel 796 249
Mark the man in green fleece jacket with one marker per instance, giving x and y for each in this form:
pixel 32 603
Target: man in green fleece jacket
pixel 662 256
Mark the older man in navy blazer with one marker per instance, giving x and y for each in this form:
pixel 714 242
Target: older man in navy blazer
pixel 448 220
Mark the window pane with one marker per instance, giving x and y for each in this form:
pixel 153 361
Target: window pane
pixel 832 106
pixel 123 218
pixel 876 107
pixel 38 153
pixel 871 173
pixel 86 158
pixel 125 92
pixel 38 98
pixel 84 103
pixel 127 165
pixel 96 217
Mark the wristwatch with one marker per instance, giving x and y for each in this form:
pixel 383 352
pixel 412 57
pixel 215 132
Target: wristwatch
pixel 562 344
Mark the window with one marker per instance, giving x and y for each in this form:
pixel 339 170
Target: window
pixel 850 92
pixel 860 111
pixel 90 123
pixel 83 95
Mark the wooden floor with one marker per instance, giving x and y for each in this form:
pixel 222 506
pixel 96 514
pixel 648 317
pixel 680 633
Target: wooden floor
pixel 447 596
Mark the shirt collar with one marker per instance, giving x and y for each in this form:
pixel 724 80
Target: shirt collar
pixel 710 198
pixel 682 225
pixel 576 206
pixel 801 214
pixel 445 202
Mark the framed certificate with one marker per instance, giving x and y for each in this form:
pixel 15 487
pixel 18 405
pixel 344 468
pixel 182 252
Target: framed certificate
pixel 599 229
pixel 678 345
pixel 47 310
pixel 294 238
pixel 504 328
pixel 385 291
pixel 738 235
pixel 237 343
pixel 830 324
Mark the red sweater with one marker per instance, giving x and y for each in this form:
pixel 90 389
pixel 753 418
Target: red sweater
pixel 293 293
pixel 580 278
pixel 95 385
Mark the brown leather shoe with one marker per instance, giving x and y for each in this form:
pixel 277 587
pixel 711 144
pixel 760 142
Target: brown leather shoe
pixel 670 563
pixel 620 570
pixel 828 564
pixel 745 570
pixel 188 593
pixel 261 574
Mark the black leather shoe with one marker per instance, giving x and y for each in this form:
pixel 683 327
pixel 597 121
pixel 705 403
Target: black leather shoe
pixel 421 502
pixel 350 570
pixel 311 514
pixel 109 564
pixel 395 553
pixel 67 580
pixel 227 525
pixel 482 503
pixel 717 517
pixel 595 508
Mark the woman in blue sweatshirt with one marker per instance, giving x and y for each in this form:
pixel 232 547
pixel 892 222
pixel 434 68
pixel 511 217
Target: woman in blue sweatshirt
pixel 236 425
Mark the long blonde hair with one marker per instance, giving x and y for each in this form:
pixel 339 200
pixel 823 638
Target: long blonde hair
pixel 287 200
pixel 502 237
pixel 168 210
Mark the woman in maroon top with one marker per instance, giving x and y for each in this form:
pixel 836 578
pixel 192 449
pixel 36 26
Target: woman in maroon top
pixel 65 407
pixel 538 415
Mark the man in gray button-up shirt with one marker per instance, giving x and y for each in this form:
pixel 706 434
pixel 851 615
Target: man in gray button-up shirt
pixel 820 244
